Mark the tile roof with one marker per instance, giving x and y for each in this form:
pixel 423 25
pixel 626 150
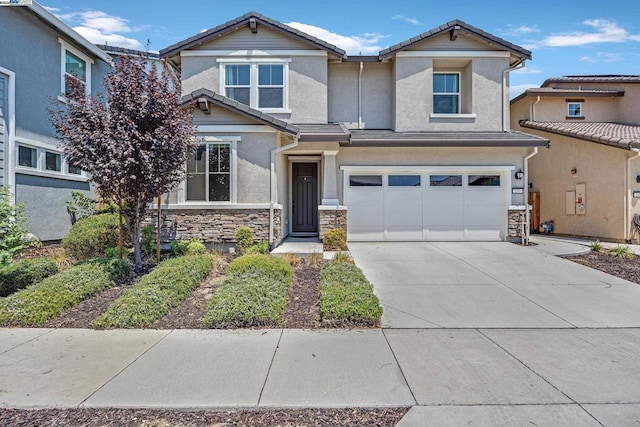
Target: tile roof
pixel 614 134
pixel 604 78
pixel 323 132
pixel 234 24
pixel 237 107
pixel 123 50
pixel 518 50
pixel 550 91
pixel 390 138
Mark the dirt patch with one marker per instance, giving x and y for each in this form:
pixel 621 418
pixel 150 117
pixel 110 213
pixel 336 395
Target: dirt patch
pixel 303 308
pixel 374 417
pixel 83 315
pixel 190 314
pixel 628 269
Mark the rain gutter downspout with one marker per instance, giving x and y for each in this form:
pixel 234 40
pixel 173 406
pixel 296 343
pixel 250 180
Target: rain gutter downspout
pixel 360 95
pixel 274 184
pixel 527 213
pixel 533 109
pixel 505 98
pixel 627 196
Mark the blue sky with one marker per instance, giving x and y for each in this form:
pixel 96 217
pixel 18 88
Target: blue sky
pixel 566 37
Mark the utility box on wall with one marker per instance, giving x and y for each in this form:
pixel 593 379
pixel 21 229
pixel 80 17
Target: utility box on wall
pixel 581 199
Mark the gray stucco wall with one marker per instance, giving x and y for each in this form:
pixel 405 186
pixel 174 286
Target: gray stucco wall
pixel 3 125
pixel 44 202
pixel 254 160
pixel 413 93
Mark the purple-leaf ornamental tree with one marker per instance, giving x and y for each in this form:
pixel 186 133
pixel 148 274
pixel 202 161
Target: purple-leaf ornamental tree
pixel 136 144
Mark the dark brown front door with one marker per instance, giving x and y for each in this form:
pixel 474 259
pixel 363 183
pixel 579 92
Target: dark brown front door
pixel 304 203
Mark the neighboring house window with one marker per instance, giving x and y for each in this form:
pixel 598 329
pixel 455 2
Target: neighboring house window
pixel 27 157
pixel 446 93
pixel 41 160
pixel 574 109
pixel 209 174
pixel 260 85
pixel 75 65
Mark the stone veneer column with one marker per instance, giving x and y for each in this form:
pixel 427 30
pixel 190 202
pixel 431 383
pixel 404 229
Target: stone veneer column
pixel 331 217
pixel 514 225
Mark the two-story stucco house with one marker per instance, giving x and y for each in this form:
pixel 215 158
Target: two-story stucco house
pixel 38 52
pixel 298 137
pixel 589 181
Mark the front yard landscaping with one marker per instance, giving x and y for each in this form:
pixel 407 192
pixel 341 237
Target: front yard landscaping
pixel 626 267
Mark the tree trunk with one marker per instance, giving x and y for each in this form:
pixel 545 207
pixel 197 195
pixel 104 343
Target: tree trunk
pixel 137 253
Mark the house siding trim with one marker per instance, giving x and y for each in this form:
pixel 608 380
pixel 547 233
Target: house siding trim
pixel 10 126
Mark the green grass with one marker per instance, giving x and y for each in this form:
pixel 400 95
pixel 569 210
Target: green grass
pixel 255 293
pixel 157 293
pixel 38 303
pixel 25 272
pixel 346 294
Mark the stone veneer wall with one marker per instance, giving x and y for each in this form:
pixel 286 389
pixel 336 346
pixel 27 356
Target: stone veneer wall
pixel 334 218
pixel 215 225
pixel 515 224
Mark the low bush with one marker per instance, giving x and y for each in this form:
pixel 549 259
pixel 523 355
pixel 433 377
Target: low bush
pixel 91 236
pixel 244 238
pixel 596 246
pixel 258 248
pixel 179 247
pixel 147 239
pixel 335 239
pixel 346 294
pixel 196 247
pixel 157 293
pixel 621 252
pixel 255 293
pixel 25 273
pixel 38 303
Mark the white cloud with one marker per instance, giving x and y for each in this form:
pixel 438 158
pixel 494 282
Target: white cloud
pixel 365 43
pixel 52 9
pixel 605 31
pixel 516 90
pixel 527 71
pixel 603 57
pixel 512 30
pixel 410 20
pixel 101 28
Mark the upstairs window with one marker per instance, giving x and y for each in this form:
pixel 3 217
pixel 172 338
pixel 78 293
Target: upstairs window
pixel 446 93
pixel 260 85
pixel 75 66
pixel 574 109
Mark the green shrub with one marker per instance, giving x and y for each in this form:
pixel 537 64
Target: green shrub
pixel 25 273
pixel 119 270
pixel 621 252
pixel 14 237
pixel 196 247
pixel 179 247
pixel 244 238
pixel 342 257
pixel 335 239
pixel 157 293
pixel 80 206
pixel 90 237
pixel 259 248
pixel 596 246
pixel 147 239
pixel 113 252
pixel 38 303
pixel 346 294
pixel 255 293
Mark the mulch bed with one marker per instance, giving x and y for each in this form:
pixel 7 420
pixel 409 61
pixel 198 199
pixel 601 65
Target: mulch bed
pixel 628 269
pixel 83 315
pixel 376 417
pixel 303 308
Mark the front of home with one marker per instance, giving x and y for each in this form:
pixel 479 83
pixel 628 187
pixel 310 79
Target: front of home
pixel 298 137
pixel 588 183
pixel 38 53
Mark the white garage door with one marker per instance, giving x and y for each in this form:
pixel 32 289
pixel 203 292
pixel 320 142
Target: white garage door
pixel 434 205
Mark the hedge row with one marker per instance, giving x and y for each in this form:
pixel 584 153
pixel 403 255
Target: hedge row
pixel 25 272
pixel 157 293
pixel 255 293
pixel 346 294
pixel 38 303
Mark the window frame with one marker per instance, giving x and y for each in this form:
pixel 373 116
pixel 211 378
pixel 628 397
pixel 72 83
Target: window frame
pixel 569 115
pixel 254 80
pixel 64 48
pixel 231 141
pixel 458 93
pixel 41 165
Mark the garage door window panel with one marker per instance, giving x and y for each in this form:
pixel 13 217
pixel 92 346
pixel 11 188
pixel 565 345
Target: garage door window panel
pixel 484 181
pixel 405 181
pixel 365 181
pixel 445 180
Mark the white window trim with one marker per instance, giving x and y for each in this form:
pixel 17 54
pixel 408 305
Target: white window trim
pixel 459 93
pixel 10 125
pixel 232 141
pixel 64 47
pixel 253 62
pixel 573 115
pixel 40 169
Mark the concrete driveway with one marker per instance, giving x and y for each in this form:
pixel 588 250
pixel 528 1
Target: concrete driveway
pixel 491 285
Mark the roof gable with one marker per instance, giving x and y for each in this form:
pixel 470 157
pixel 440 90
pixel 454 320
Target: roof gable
pixel 253 20
pixel 454 29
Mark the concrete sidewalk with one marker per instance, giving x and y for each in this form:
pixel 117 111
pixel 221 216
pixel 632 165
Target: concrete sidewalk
pixel 449 377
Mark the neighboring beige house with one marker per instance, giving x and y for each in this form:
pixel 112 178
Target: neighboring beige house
pixel 589 180
pixel 298 137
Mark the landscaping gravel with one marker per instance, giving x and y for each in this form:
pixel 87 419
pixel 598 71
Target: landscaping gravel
pixel 628 269
pixel 376 417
